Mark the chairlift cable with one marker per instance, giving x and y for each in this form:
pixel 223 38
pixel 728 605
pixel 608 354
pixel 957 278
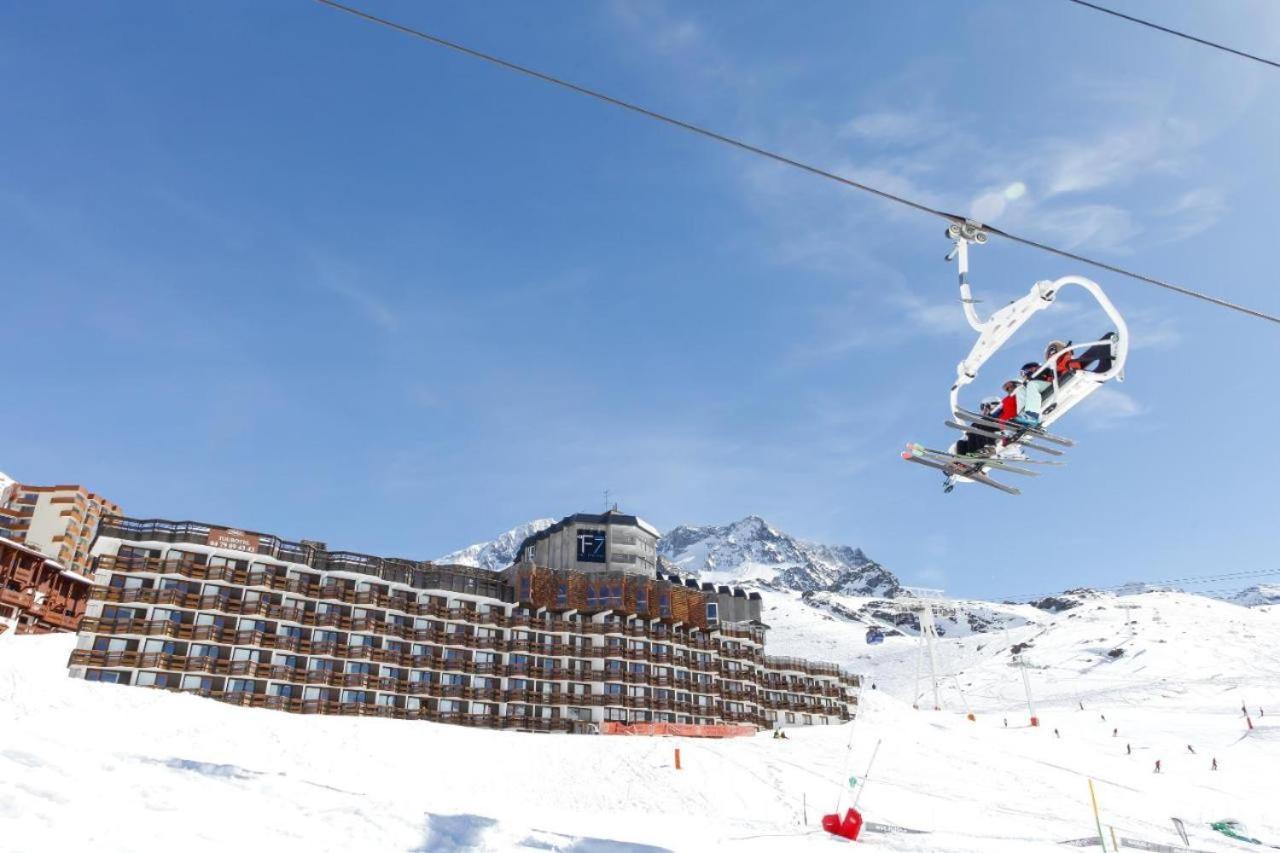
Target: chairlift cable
pixel 782 158
pixel 1195 579
pixel 1174 32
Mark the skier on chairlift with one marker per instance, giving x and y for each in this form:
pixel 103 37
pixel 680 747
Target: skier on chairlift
pixel 981 438
pixel 1030 396
pixel 1065 362
pixel 1009 405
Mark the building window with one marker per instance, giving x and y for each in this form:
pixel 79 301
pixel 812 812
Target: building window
pixel 642 599
pixel 525 588
pixel 664 604
pixel 713 611
pixel 562 595
pixel 102 675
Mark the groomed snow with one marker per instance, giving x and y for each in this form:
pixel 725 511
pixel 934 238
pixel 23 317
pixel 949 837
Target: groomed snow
pixel 108 768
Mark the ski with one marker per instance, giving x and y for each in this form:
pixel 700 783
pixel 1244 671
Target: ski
pixel 952 470
pixel 1035 431
pixel 990 461
pixel 1024 442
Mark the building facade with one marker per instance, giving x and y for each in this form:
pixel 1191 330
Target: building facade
pixel 591 544
pixel 58 521
pixel 37 595
pixel 255 620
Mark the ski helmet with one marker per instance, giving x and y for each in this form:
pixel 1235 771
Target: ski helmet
pixel 990 402
pixel 1029 368
pixel 1055 347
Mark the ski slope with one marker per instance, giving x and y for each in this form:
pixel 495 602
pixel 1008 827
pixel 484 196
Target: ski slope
pixel 127 769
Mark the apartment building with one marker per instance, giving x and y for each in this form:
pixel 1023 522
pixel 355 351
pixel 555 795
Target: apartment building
pixel 37 595
pixel 58 521
pixel 255 620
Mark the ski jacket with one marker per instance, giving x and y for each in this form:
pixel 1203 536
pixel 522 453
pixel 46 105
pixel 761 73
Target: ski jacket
pixel 1065 364
pixel 1030 396
pixel 1008 408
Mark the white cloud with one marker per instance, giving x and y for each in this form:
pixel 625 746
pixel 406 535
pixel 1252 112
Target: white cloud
pixel 1114 158
pixel 892 127
pixel 1108 407
pixel 1099 226
pixel 1152 330
pixel 662 31
pixel 342 282
pixel 1193 212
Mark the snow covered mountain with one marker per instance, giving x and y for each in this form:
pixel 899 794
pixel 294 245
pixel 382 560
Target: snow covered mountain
pixel 498 553
pixel 751 551
pixel 1256 596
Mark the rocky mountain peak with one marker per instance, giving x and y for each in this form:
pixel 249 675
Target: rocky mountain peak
pixel 499 553
pixel 753 551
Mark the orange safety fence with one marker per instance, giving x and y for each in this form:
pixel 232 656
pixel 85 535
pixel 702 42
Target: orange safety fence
pixel 675 729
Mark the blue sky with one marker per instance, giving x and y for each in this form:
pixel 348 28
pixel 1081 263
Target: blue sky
pixel 266 265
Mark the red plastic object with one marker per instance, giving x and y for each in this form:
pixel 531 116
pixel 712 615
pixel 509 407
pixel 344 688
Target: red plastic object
pixel 848 828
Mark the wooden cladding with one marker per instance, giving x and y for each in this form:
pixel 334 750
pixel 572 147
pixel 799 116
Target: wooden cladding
pixel 45 599
pixel 594 592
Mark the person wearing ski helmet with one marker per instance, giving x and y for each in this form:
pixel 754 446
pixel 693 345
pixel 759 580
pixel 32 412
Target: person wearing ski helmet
pixel 1009 403
pixel 1030 393
pixel 980 437
pixel 1058 353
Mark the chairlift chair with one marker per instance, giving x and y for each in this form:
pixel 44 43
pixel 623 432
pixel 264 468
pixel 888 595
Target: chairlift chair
pixel 996 330
pixel 993 333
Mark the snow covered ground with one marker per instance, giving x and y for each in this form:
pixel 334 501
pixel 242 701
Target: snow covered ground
pixel 127 769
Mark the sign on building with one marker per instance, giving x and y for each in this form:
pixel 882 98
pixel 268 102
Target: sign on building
pixel 234 540
pixel 591 546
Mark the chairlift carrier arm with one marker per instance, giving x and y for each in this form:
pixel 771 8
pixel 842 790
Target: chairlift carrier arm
pixel 997 329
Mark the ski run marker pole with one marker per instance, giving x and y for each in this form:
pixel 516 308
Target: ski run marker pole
pixel 1102 839
pixel 866 777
